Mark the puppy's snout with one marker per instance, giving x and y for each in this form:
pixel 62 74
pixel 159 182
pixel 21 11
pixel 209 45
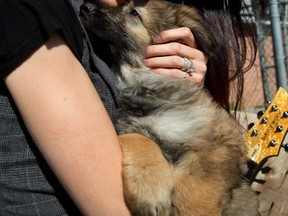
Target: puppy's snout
pixel 87 8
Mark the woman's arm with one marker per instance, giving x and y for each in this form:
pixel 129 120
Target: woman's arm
pixel 71 127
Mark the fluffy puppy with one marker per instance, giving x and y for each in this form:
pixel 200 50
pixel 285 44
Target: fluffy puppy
pixel 197 167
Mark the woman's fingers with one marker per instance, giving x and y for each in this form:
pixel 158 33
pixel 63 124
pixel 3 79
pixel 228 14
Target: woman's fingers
pixel 173 66
pixel 169 52
pixel 184 34
pixel 174 62
pixel 175 48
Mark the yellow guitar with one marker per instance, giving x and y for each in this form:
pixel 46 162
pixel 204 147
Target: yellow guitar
pixel 265 138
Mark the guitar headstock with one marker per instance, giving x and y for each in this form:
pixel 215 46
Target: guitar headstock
pixel 265 138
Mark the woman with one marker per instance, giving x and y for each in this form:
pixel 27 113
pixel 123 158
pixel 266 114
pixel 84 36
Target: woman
pixel 224 77
pixel 56 136
pixel 234 49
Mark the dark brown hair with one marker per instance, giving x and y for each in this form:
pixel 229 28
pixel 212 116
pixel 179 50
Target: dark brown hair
pixel 229 63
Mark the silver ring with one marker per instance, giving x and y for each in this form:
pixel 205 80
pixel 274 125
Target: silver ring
pixel 188 66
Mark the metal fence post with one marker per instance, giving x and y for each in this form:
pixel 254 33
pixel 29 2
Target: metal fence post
pixel 278 44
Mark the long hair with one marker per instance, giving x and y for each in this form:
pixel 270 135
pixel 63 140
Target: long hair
pixel 231 59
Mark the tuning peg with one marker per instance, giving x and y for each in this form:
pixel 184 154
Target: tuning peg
pixel 249 126
pixel 272 143
pixel 274 108
pixel 285 146
pixel 255 133
pixel 279 128
pixel 260 113
pixel 267 104
pixel 266 170
pixel 264 120
pixel 285 114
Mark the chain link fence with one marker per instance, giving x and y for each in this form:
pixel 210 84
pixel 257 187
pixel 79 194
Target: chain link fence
pixel 261 80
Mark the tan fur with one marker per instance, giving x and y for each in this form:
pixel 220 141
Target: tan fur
pixel 202 141
pixel 142 156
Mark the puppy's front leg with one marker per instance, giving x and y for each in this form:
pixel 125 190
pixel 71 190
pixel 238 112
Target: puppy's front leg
pixel 200 184
pixel 147 176
pixel 193 196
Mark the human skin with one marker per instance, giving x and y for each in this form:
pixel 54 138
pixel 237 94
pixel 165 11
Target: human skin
pixel 70 126
pixel 167 58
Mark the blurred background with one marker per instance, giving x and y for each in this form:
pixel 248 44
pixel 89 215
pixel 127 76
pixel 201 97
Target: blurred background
pixel 270 70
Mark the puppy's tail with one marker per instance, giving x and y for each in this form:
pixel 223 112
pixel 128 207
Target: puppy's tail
pixel 243 202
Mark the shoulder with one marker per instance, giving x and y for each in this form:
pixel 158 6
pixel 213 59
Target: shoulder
pixel 26 25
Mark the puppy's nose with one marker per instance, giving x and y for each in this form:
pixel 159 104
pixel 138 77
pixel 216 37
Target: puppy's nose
pixel 87 8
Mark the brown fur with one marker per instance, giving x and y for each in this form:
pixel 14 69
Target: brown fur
pixel 202 141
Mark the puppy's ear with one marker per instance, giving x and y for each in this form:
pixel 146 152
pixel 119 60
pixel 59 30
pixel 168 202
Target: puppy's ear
pixel 190 17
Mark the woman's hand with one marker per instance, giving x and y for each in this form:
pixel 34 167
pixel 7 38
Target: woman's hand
pixel 168 57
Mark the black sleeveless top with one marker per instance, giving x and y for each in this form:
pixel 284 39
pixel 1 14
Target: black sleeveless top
pixel 27 185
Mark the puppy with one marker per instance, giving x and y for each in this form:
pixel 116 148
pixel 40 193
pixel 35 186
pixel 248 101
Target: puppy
pixel 198 165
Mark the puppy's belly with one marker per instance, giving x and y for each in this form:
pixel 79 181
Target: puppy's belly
pixel 177 126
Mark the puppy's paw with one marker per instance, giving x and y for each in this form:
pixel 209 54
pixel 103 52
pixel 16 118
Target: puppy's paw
pixel 147 176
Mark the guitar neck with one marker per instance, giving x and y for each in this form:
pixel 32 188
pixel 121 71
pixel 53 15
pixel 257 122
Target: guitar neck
pixel 265 138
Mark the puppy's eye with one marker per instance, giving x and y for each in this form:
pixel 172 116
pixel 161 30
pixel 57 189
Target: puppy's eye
pixel 134 12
